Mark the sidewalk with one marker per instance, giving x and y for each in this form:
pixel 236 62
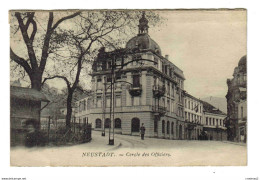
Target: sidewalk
pixel 235 143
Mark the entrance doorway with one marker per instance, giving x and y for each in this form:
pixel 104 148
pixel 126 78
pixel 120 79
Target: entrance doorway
pixel 135 125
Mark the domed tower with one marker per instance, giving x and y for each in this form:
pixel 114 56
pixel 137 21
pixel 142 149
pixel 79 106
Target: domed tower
pixel 143 41
pixel 143 25
pixel 237 102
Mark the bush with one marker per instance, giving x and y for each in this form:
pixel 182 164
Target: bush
pixel 36 138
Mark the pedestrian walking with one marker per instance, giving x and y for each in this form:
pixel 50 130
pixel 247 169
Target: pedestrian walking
pixel 142 131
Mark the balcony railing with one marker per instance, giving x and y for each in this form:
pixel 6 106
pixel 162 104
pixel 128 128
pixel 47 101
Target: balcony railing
pixel 159 110
pixel 158 90
pixel 135 90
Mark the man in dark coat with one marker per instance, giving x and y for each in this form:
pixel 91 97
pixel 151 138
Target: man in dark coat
pixel 142 131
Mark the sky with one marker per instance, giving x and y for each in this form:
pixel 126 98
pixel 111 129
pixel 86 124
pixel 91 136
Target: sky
pixel 206 45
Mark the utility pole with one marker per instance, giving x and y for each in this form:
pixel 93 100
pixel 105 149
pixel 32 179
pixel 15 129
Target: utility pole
pixel 112 103
pixel 103 108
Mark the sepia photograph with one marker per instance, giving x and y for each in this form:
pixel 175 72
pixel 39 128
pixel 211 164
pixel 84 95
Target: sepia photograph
pixel 136 87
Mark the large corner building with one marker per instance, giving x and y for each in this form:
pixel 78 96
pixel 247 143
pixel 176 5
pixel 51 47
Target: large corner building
pixel 148 89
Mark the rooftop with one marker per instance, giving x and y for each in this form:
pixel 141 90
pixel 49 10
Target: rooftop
pixel 27 94
pixel 211 109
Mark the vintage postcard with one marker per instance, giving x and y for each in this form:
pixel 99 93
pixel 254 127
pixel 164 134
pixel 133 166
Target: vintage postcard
pixel 128 87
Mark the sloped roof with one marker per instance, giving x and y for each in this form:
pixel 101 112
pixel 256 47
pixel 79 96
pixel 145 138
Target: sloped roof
pixel 211 109
pixel 27 94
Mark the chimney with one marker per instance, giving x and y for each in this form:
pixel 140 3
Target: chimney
pixel 167 56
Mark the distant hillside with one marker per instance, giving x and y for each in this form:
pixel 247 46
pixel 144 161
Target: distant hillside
pixel 218 102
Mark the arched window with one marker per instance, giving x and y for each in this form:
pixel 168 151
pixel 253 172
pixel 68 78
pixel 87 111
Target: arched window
pixel 117 123
pixel 168 127
pixel 155 126
pixel 163 126
pixel 172 127
pixel 107 123
pixel 135 125
pixel 180 131
pixel 98 123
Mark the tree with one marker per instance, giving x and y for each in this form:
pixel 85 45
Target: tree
pixel 28 28
pixel 79 45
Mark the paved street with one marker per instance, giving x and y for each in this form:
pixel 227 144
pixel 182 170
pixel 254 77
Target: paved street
pixel 131 150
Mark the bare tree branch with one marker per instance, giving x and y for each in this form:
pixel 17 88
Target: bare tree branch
pixel 61 77
pixel 20 61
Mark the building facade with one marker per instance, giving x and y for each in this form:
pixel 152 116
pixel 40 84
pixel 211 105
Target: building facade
pixel 214 123
pixel 193 108
pixel 149 91
pixel 236 103
pixel 26 105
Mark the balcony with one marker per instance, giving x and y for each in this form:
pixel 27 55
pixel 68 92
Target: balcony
pixel 135 90
pixel 159 110
pixel 158 91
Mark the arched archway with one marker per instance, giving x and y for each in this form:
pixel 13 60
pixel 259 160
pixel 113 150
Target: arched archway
pixel 163 126
pixel 107 123
pixel 135 125
pixel 172 130
pixel 98 123
pixel 180 131
pixel 117 123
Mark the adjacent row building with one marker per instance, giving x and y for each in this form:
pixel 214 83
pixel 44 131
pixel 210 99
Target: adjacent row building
pixel 237 103
pixel 149 90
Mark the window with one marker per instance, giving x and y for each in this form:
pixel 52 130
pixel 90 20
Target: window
pixel 207 121
pixel 99 101
pixel 99 83
pixel 172 127
pixel 185 103
pixel 168 105
pixel 136 81
pixel 168 127
pixel 109 64
pixel 135 126
pixel 241 112
pixel 118 101
pixel 213 121
pixel 108 102
pixel 117 123
pixel 118 76
pixel 84 105
pixel 163 126
pixel 172 90
pixel 84 120
pixel 155 129
pixel 217 122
